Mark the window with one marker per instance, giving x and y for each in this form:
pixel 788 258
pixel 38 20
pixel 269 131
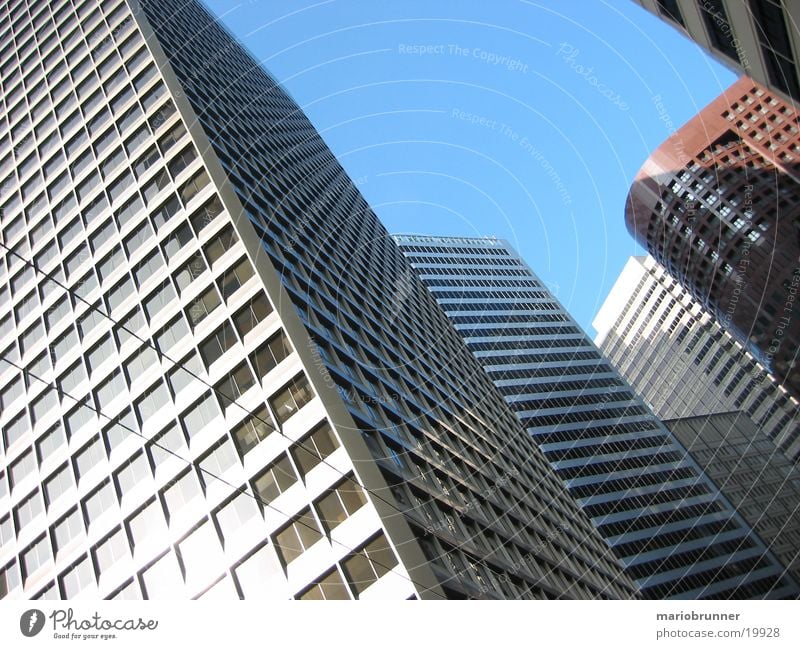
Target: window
pixel 329 586
pixel 274 480
pixel 9 579
pixel 190 271
pixel 128 211
pixel 182 160
pixel 152 403
pixel 48 443
pixel 234 385
pixel 254 429
pixel 163 580
pixel 177 241
pixel 202 413
pixel 181 491
pixel 89 457
pixel 102 352
pixel 206 214
pixel 314 448
pixel 137 238
pixel 111 550
pixel 69 381
pixel 6 531
pixel 167 444
pixel 66 529
pixel 99 501
pixel 158 300
pixel 220 459
pixel 234 278
pixel 79 417
pixel 121 427
pixel 148 267
pixel 57 484
pixel 220 243
pixel 201 554
pixel 164 212
pixel 267 357
pixel 201 306
pixel 21 468
pixel 148 522
pixel 250 315
pixel 141 362
pixel 232 516
pixel 134 472
pixel 297 537
pixel 345 499
pixel 193 186
pixel 213 347
pixel 293 397
pixel 111 388
pixel 369 564
pixel 74 580
pixel 171 334
pixel 28 509
pixel 35 556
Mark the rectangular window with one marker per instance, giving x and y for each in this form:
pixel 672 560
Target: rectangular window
pixel 369 564
pixel 220 459
pixel 339 503
pixel 99 501
pixel 254 429
pixel 66 529
pixel 169 443
pixel 256 310
pixel 234 278
pixel 89 457
pixel 267 357
pixel 133 472
pixel 220 243
pixel 200 415
pixel 80 576
pixel 35 556
pixel 190 271
pixel 57 485
pixel 234 385
pixel 298 536
pixel 213 347
pixel 206 214
pixel 112 549
pixel 204 304
pixel 24 466
pixel 274 480
pixel 293 397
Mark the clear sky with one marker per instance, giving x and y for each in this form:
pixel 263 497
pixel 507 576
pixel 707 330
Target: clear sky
pixel 516 119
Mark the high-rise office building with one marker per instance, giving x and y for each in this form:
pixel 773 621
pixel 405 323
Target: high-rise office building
pixel 758 480
pixel 758 38
pixel 682 362
pixel 718 205
pixel 665 520
pixel 218 375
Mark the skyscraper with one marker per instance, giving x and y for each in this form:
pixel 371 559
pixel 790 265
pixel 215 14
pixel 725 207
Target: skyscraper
pixel 682 362
pixel 717 204
pixel 758 480
pixel 218 375
pixel 758 38
pixel 665 520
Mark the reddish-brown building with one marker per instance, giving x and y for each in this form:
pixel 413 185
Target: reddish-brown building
pixel 718 204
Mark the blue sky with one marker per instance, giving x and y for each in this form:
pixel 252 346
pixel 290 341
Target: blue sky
pixel 522 120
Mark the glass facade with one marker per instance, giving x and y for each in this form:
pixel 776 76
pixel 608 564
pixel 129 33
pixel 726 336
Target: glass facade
pixel 666 521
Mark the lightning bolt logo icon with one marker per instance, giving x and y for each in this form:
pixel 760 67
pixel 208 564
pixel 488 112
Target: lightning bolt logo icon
pixel 31 622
